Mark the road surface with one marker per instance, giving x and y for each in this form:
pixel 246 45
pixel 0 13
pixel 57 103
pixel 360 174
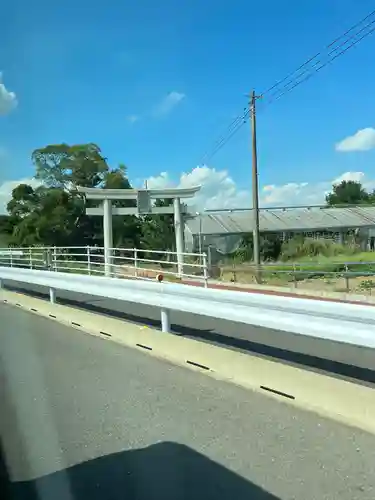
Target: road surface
pixel 348 361
pixel 85 418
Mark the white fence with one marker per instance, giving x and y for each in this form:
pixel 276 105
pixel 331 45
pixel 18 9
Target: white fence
pixel 348 323
pixel 121 263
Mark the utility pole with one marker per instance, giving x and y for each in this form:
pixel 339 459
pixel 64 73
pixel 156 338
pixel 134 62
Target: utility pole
pixel 256 232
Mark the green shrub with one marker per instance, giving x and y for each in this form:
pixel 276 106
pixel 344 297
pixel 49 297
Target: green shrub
pixel 270 248
pixel 366 285
pixel 298 248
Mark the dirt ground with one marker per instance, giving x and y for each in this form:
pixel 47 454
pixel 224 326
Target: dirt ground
pixel 357 284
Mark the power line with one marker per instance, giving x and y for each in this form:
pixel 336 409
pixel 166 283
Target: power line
pixel 297 82
pixel 220 143
pixel 352 28
pixel 311 59
pixel 309 68
pixel 238 120
pixel 319 65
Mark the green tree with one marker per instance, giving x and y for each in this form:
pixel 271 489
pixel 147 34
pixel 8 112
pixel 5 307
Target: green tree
pixel 6 229
pixel 349 193
pixel 42 216
pixel 117 179
pixel 54 214
pixel 158 230
pixel 65 167
pixel 23 215
pixel 62 166
pixel 270 248
pixel 23 201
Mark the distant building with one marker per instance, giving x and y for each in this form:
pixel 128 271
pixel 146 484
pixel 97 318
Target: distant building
pixel 224 229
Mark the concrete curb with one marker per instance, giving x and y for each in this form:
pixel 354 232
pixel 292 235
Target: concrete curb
pixel 340 400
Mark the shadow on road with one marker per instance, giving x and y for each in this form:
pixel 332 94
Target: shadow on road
pixel 164 471
pixel 296 358
pixel 220 333
pixel 150 316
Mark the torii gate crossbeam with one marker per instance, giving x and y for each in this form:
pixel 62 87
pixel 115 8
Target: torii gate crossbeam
pixel 144 206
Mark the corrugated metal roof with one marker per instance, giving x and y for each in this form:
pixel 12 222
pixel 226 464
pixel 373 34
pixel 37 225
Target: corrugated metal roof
pixel 291 219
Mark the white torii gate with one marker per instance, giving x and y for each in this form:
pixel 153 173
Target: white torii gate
pixel 144 206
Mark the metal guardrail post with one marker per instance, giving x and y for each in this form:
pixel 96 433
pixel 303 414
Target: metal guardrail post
pixel 179 232
pixel 11 258
pixel 52 295
pixel 54 259
pixel 30 258
pixel 108 237
pixel 135 262
pixel 88 260
pixel 205 270
pixel 347 284
pixel 49 259
pixel 165 321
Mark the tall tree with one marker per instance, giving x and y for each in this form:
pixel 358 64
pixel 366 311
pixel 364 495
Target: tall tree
pixel 42 215
pixel 348 193
pixel 6 229
pixel 64 166
pixel 23 201
pixel 54 214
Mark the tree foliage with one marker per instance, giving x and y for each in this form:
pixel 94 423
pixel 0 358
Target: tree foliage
pixel 6 228
pixel 62 166
pixel 349 193
pixel 43 216
pixel 54 213
pixel 158 230
pixel 270 248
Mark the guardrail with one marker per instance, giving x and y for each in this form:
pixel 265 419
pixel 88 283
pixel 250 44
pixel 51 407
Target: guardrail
pixel 123 262
pixel 349 323
pixel 356 277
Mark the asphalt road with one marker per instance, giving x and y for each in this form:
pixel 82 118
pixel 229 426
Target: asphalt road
pixel 347 361
pixel 85 418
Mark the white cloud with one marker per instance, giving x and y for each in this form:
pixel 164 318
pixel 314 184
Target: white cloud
pixel 161 181
pixel 8 100
pixel 350 176
pixel 363 140
pixel 167 104
pixel 7 187
pixel 162 108
pixel 133 118
pixel 219 190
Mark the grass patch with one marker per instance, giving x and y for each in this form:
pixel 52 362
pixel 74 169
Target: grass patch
pixel 327 268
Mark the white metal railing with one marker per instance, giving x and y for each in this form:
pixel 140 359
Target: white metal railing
pixel 340 322
pixel 128 263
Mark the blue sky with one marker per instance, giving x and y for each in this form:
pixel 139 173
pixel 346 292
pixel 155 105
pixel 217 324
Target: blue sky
pixel 155 83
